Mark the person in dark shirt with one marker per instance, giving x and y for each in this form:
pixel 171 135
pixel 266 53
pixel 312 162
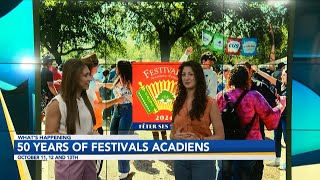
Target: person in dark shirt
pixel 263 89
pixel 281 87
pixel 48 91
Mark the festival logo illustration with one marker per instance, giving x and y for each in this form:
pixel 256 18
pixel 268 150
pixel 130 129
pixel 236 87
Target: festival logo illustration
pixel 249 46
pixel 154 92
pixel 233 46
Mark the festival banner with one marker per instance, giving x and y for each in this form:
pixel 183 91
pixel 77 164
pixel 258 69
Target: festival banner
pixel 206 38
pixel 233 46
pixel 154 87
pixel 249 46
pixel 218 44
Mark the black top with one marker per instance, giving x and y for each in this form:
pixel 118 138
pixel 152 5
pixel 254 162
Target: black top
pixel 265 90
pixel 46 76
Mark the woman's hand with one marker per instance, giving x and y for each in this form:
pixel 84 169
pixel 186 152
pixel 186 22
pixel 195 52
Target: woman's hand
pixel 255 68
pixel 121 99
pixel 189 51
pixel 185 136
pixel 57 82
pixel 283 101
pixel 180 136
pixel 192 136
pixel 95 132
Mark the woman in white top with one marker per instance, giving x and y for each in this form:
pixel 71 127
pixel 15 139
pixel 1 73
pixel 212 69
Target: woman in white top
pixel 122 115
pixel 71 112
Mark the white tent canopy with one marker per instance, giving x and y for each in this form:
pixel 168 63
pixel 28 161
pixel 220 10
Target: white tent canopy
pixel 284 60
pixel 276 62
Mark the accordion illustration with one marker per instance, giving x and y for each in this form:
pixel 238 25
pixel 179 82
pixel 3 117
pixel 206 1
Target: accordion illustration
pixel 157 95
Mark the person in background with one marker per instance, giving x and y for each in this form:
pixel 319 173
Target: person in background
pixel 193 113
pixel 225 75
pixel 105 74
pixel 71 112
pixel 91 60
pixel 211 77
pixel 253 107
pixel 155 135
pixel 121 121
pixel 277 74
pixel 112 74
pixel 57 76
pixel 48 91
pixel 281 87
pixel 111 78
pixel 105 95
pixel 262 88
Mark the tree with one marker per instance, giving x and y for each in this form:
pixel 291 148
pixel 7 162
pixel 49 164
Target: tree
pixel 167 25
pixel 77 26
pixel 166 22
pixel 165 96
pixel 253 20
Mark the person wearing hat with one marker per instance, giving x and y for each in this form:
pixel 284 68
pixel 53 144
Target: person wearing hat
pixel 210 75
pixel 48 91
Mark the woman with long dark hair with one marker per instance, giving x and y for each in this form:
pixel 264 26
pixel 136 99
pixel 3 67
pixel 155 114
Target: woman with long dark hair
pixel 122 115
pixel 71 112
pixel 193 113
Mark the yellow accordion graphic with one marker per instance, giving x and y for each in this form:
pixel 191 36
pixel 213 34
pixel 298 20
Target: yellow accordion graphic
pixel 157 95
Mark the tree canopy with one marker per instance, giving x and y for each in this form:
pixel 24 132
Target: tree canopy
pixel 153 31
pixel 76 26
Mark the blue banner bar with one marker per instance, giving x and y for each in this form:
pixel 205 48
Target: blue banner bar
pixel 151 126
pixel 93 147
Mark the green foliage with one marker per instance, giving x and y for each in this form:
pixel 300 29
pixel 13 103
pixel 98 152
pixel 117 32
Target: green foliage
pixel 154 31
pixel 72 27
pixel 163 23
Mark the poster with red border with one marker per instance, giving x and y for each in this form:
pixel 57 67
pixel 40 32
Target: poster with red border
pixel 233 46
pixel 154 86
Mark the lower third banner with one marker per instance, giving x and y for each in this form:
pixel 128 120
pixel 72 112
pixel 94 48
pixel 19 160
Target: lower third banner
pixel 89 147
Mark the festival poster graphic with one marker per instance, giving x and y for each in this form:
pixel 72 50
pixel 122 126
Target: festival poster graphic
pixel 249 46
pixel 206 38
pixel 218 43
pixel 154 91
pixel 233 46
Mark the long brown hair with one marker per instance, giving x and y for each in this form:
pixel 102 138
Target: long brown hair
pixel 200 98
pixel 72 70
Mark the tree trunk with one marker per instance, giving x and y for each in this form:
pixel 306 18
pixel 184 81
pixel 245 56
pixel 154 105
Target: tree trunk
pixel 57 57
pixel 165 45
pixel 54 52
pixel 165 49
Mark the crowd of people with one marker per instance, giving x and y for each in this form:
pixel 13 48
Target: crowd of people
pixel 263 102
pixel 78 104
